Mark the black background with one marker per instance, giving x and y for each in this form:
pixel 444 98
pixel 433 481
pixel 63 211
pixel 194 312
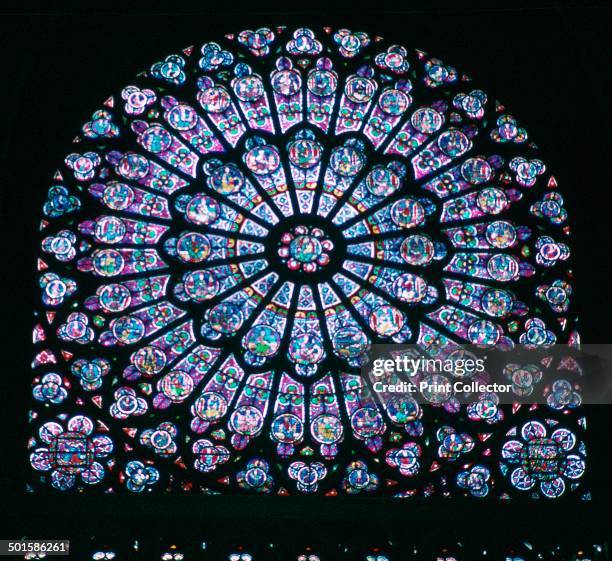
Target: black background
pixel 547 62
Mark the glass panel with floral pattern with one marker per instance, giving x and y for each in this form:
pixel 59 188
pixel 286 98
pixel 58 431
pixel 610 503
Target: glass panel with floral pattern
pixel 231 230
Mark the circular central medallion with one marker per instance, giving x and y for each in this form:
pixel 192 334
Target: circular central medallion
pixel 305 248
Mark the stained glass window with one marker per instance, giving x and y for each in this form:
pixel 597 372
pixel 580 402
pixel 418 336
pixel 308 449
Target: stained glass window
pixel 229 232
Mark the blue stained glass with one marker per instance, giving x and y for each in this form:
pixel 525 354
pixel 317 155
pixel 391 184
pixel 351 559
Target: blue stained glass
pixel 230 232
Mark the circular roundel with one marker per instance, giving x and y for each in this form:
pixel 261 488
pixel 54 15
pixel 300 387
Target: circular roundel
pixel 231 231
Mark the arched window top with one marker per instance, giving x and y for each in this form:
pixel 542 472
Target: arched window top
pixel 230 230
